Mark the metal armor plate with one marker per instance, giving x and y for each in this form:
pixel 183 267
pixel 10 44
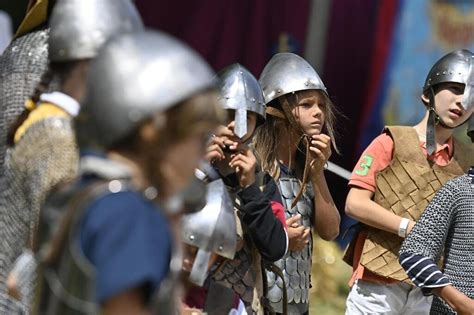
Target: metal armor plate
pixel 241 275
pixel 296 266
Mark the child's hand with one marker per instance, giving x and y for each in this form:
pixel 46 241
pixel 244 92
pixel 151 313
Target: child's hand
pixel 298 235
pixel 244 163
pixel 320 150
pixel 219 143
pixel 214 150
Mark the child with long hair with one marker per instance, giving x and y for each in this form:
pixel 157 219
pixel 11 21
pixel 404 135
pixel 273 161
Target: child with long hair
pixel 293 145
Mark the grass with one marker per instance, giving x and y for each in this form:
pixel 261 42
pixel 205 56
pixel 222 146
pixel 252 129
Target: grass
pixel 329 279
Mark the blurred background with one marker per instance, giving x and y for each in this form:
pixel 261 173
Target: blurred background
pixel 373 56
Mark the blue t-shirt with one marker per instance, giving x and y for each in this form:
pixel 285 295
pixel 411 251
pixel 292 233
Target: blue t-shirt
pixel 128 240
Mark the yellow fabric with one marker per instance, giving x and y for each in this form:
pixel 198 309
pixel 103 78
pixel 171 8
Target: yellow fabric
pixel 30 105
pixel 37 15
pixel 43 111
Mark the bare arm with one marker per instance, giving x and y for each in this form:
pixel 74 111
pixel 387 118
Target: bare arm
pixel 459 302
pixel 327 218
pixel 360 206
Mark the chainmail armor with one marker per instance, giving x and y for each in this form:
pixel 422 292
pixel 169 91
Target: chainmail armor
pixel 21 66
pixel 45 156
pixel 448 224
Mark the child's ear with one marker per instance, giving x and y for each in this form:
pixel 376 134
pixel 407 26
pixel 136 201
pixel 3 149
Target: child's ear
pixel 425 99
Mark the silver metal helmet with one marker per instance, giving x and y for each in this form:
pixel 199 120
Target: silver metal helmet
pixel 134 77
pixel 287 73
pixel 240 91
pixel 468 99
pixel 80 27
pixel 211 230
pixel 453 67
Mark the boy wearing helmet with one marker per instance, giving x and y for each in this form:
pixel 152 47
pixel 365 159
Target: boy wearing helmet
pixel 395 178
pixel 293 145
pixel 443 230
pixel 108 239
pixel 42 149
pixel 261 224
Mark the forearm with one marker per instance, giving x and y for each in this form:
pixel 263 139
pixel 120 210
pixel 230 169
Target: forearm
pixel 458 301
pixel 361 207
pixel 265 229
pixel 327 218
pixel 423 271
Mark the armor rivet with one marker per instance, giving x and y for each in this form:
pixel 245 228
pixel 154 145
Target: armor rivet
pixel 278 91
pixel 306 83
pixel 220 248
pixel 115 186
pixel 150 193
pixel 437 73
pixel 240 72
pixel 444 72
pixel 253 100
pixel 191 237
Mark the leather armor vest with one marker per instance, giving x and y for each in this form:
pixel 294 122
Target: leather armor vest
pixel 406 187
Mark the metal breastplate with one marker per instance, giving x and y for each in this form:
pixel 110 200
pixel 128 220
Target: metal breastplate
pixel 296 266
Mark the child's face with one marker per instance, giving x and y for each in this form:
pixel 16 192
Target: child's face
pixel 448 104
pixel 310 111
pixel 251 124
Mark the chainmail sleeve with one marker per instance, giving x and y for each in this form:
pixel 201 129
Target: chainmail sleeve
pixel 430 232
pixel 444 229
pixel 21 66
pixel 45 156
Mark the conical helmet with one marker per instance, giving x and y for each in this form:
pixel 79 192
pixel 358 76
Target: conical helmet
pixel 240 91
pixel 80 27
pixel 211 230
pixel 453 67
pixel 135 76
pixel 287 73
